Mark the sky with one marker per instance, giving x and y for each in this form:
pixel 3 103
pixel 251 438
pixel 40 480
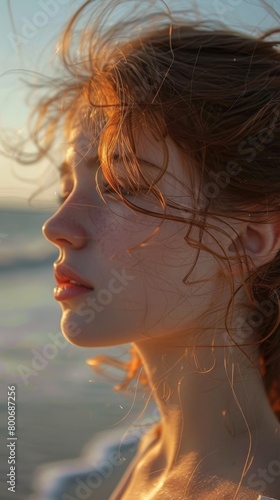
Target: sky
pixel 29 42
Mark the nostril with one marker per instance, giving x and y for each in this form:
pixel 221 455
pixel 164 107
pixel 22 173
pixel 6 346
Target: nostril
pixel 64 231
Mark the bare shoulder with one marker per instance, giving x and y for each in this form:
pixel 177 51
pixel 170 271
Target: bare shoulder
pixel 219 480
pixel 149 438
pixel 224 484
pixel 230 475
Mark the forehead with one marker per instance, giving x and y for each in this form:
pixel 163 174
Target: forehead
pixel 80 145
pixel 83 148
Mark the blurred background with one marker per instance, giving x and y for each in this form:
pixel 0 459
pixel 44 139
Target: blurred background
pixel 61 403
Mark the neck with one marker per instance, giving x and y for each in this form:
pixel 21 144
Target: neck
pixel 207 400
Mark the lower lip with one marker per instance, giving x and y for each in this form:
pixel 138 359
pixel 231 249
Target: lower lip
pixel 70 291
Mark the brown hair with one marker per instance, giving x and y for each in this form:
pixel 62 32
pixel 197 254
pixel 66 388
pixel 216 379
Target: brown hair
pixel 216 93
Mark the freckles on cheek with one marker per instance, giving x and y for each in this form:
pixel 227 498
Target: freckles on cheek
pixel 112 236
pixel 114 232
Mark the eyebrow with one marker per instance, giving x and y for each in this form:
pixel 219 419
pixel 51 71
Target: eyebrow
pixel 66 168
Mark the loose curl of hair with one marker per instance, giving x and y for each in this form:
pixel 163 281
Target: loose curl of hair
pixel 216 93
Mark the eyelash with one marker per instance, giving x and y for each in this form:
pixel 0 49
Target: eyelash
pixel 107 189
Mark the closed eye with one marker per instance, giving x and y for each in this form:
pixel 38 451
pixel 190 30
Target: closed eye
pixel 61 198
pixel 110 190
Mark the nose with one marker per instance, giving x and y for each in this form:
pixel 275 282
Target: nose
pixel 66 228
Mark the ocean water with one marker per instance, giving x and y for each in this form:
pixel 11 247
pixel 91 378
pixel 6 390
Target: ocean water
pixel 61 404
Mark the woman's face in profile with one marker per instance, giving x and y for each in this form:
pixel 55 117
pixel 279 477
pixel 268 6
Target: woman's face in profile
pixel 136 296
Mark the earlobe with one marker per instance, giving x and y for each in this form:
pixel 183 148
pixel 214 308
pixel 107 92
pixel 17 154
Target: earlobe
pixel 259 241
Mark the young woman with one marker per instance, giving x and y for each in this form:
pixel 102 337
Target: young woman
pixel 169 236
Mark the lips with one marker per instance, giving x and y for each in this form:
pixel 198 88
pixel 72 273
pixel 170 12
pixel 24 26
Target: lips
pixel 65 275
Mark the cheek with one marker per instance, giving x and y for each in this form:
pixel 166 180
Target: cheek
pixel 115 232
pixel 104 231
pixel 108 240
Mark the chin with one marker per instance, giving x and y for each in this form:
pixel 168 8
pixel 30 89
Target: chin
pixel 92 337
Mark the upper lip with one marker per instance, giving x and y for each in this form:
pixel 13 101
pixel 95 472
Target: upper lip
pixel 63 274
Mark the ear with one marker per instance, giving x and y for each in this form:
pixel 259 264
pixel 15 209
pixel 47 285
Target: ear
pixel 261 242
